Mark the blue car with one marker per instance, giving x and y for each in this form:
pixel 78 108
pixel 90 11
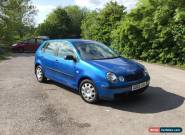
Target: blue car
pixel 89 67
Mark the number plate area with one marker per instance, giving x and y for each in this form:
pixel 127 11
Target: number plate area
pixel 139 86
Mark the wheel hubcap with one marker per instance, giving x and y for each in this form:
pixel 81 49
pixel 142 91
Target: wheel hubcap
pixel 39 74
pixel 88 91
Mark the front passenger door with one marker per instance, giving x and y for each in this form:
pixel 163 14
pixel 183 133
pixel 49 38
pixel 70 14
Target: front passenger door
pixel 66 68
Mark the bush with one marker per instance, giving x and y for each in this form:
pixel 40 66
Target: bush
pixel 153 32
pixel 98 25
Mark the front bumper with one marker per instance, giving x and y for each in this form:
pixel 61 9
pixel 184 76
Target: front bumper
pixel 108 92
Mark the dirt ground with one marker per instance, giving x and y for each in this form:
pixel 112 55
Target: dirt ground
pixel 31 108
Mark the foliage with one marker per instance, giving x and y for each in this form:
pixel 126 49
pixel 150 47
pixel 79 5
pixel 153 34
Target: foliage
pixel 16 19
pixel 98 25
pixel 56 25
pixel 4 52
pixel 153 31
pixel 62 23
pixel 76 15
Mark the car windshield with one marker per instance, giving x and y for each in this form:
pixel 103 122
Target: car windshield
pixel 95 51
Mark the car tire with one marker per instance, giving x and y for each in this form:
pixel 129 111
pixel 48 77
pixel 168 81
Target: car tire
pixel 14 50
pixel 88 91
pixel 21 50
pixel 40 75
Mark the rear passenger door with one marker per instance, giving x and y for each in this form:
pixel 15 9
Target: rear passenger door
pixel 49 60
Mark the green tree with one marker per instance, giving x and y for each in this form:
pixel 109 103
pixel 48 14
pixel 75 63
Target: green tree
pixel 56 25
pixel 90 26
pixel 63 23
pixel 153 31
pixel 76 15
pixel 99 25
pixel 16 19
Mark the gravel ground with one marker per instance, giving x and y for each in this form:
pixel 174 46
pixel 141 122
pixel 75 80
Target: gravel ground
pixel 28 107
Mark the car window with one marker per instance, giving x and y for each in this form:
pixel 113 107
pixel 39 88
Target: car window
pixel 51 48
pixel 65 49
pixel 31 41
pixel 40 41
pixel 95 51
pixel 25 41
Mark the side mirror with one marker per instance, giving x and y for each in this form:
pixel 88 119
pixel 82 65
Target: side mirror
pixel 70 57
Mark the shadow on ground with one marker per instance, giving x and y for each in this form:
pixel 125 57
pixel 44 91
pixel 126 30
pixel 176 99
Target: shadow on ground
pixel 154 100
pixel 62 86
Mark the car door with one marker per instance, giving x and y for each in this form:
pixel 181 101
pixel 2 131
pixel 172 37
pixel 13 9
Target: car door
pixel 24 44
pixel 29 45
pixel 66 68
pixel 49 60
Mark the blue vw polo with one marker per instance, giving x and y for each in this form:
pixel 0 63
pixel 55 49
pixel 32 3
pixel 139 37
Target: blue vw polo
pixel 89 67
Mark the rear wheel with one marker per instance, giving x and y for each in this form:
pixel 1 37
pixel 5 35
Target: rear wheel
pixel 88 91
pixel 39 74
pixel 21 50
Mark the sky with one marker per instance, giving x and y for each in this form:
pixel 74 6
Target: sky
pixel 44 7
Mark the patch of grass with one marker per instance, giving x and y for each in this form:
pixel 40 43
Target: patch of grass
pixel 4 52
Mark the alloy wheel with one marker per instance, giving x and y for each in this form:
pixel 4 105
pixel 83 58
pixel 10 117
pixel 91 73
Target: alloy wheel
pixel 39 74
pixel 88 92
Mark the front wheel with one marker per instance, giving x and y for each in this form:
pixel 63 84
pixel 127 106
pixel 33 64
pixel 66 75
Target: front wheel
pixel 39 74
pixel 88 91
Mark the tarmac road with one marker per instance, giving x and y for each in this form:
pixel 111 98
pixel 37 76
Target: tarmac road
pixel 31 108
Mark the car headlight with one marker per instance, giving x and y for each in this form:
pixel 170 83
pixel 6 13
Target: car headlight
pixel 14 45
pixel 111 77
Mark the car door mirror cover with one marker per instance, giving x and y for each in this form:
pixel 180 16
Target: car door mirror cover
pixel 70 57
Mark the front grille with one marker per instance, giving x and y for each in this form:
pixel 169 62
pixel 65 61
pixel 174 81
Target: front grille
pixel 134 77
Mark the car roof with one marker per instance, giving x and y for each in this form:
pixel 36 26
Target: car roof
pixel 72 41
pixel 42 37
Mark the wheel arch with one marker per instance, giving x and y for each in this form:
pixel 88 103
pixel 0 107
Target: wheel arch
pixel 81 79
pixel 37 64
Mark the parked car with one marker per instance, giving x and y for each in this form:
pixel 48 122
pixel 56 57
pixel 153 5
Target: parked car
pixel 29 45
pixel 89 67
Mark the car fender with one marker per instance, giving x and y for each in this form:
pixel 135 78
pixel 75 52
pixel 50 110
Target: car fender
pixel 93 73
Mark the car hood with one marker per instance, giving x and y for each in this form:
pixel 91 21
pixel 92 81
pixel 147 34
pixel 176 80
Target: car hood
pixel 117 65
